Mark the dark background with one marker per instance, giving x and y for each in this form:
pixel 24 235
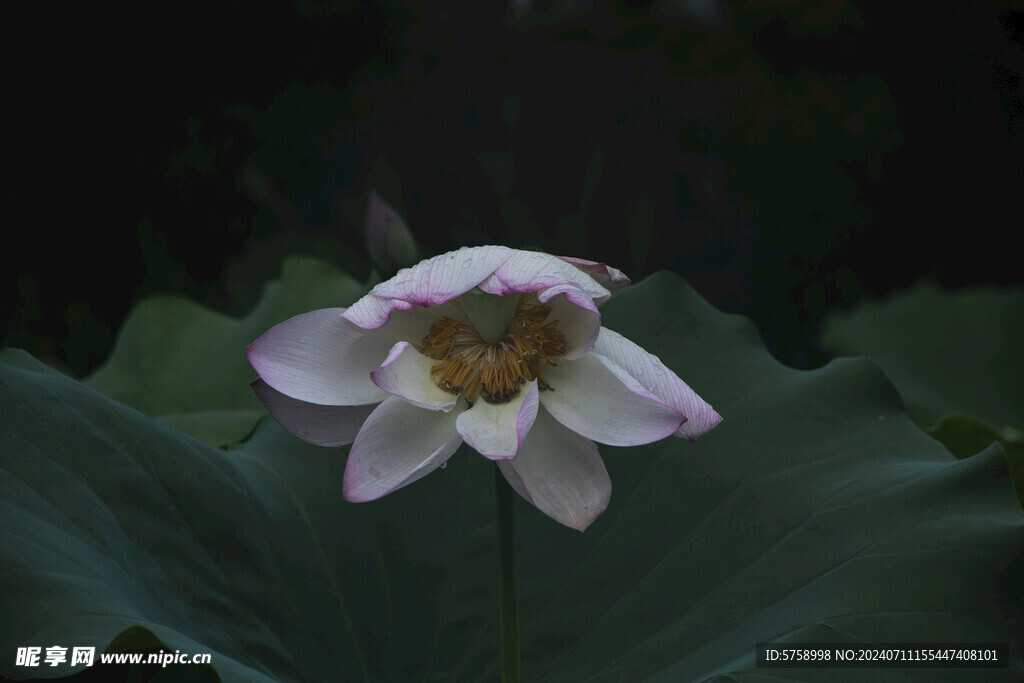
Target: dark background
pixel 786 158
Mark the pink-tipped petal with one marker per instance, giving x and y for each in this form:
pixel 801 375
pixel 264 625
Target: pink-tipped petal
pixel 495 270
pixel 612 279
pixel 497 430
pixel 594 397
pixel 406 373
pixel 534 271
pixel 403 324
pixel 561 473
pixel 318 357
pixel 654 376
pixel 373 312
pixel 398 444
pixel 317 424
pixel 428 283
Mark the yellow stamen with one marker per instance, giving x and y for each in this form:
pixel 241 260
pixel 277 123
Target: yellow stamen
pixel 496 371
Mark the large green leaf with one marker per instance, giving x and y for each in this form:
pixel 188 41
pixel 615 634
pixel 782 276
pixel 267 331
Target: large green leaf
pixel 815 511
pixel 948 352
pixel 186 364
pixel 954 356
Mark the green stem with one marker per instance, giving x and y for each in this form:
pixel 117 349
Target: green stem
pixel 507 550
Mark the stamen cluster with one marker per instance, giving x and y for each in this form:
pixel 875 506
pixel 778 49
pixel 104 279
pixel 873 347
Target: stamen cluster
pixel 494 370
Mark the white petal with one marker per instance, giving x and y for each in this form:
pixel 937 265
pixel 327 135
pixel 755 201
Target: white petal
pixel 648 369
pixel 534 271
pixel 561 473
pixel 429 283
pixel 398 444
pixel 594 397
pixel 612 279
pixel 497 430
pixel 318 357
pixel 580 325
pixel 321 357
pixel 406 373
pixel 317 424
pixel 495 270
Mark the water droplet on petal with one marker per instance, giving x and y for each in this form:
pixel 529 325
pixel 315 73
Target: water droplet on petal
pixel 467 263
pixel 444 464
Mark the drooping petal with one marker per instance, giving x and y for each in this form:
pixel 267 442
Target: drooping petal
pixel 560 472
pixel 317 424
pixel 428 283
pixel 318 357
pixel 497 430
pixel 612 279
pixel 652 374
pixel 406 373
pixel 495 270
pixel 534 271
pixel 594 397
pixel 398 444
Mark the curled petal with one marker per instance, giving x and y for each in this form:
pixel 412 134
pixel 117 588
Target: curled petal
pixel 406 373
pixel 497 430
pixel 318 357
pixel 534 271
pixel 317 424
pixel 428 283
pixel 652 374
pixel 594 397
pixel 398 444
pixel 612 279
pixel 495 270
pixel 561 473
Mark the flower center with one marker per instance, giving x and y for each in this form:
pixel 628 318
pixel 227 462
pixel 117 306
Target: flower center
pixel 494 370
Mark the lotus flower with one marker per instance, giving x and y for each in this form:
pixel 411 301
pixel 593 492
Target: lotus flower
pixel 498 348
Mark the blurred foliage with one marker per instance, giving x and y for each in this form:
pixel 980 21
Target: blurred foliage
pixel 766 150
pixel 946 351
